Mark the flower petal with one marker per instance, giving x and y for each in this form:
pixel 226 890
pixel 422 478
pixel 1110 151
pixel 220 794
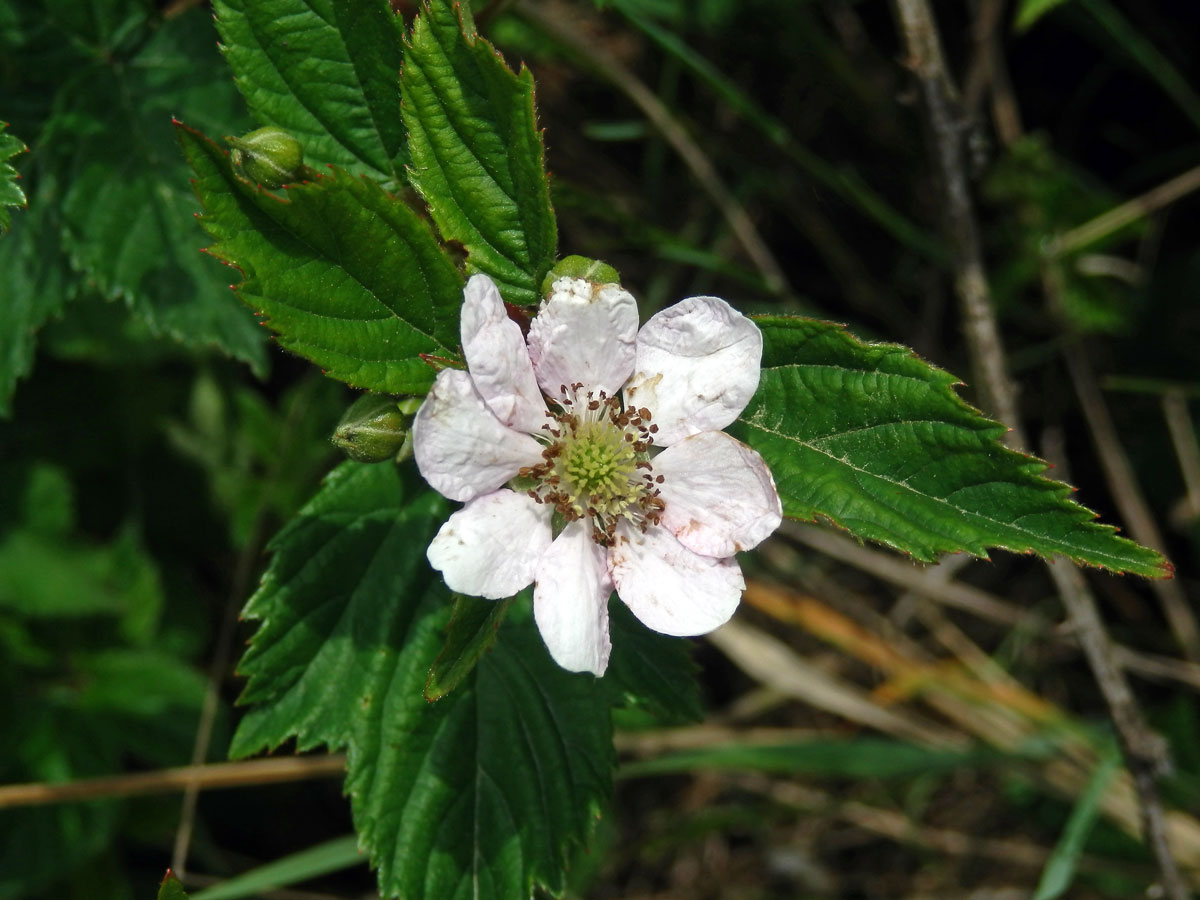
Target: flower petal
pixel 490 548
pixel 670 588
pixel 697 367
pixel 584 333
pixel 719 494
pixel 570 601
pixel 462 449
pixel 498 358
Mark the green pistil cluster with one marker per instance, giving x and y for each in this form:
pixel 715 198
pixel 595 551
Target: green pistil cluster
pixel 597 465
pixel 598 469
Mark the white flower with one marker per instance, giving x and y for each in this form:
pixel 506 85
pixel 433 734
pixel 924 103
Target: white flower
pixel 572 420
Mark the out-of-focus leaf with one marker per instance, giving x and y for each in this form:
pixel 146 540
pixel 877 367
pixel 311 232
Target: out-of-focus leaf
pixel 126 205
pixel 874 439
pixel 262 457
pixel 481 794
pixel 1029 11
pixel 1045 197
pixel 10 192
pixel 33 287
pixel 477 155
pixel 347 274
pixel 327 72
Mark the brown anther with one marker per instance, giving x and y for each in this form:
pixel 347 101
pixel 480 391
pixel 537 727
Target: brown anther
pixel 654 429
pixel 644 413
pixel 658 480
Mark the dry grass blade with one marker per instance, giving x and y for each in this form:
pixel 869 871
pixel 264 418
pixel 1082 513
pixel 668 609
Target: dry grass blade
pixel 999 712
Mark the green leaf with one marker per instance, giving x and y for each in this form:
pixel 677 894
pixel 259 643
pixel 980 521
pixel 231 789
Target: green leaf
pixel 10 192
pixel 477 155
pixel 470 634
pixel 327 71
pixel 481 794
pixel 346 274
pixel 125 203
pixel 33 288
pixel 874 439
pixel 651 671
pixel 171 888
pixel 331 856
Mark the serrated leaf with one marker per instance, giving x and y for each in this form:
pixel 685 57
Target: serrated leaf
pixel 125 204
pixel 327 71
pixel 477 156
pixel 479 795
pixel 171 888
pixel 470 634
pixel 11 194
pixel 346 274
pixel 876 440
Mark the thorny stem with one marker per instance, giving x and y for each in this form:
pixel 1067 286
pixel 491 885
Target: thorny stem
pixel 940 106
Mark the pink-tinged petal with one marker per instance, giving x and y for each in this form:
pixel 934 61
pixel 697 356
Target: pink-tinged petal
pixel 670 588
pixel 461 449
pixel 490 548
pixel 585 334
pixel 570 601
pixel 719 494
pixel 697 367
pixel 498 359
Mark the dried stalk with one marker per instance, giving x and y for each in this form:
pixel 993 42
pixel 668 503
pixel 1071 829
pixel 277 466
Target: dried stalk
pixel 940 106
pixel 166 781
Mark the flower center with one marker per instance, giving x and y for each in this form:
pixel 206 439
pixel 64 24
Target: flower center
pixel 597 464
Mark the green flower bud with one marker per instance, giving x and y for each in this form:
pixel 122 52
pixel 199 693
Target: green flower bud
pixel 375 428
pixel 580 267
pixel 269 156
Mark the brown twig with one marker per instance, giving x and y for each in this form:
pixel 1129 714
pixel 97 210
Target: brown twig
pixel 1123 483
pixel 926 582
pixel 212 695
pixel 672 131
pixel 166 781
pixel 1144 752
pixel 1187 449
pixel 919 30
pixel 1130 211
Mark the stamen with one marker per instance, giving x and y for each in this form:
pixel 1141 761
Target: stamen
pixel 596 463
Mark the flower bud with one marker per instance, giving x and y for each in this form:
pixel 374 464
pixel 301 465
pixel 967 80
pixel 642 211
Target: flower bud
pixel 580 267
pixel 374 428
pixel 269 156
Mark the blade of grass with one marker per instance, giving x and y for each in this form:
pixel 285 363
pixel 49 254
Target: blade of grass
pixel 331 856
pixel 843 181
pixel 1146 55
pixel 1060 867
